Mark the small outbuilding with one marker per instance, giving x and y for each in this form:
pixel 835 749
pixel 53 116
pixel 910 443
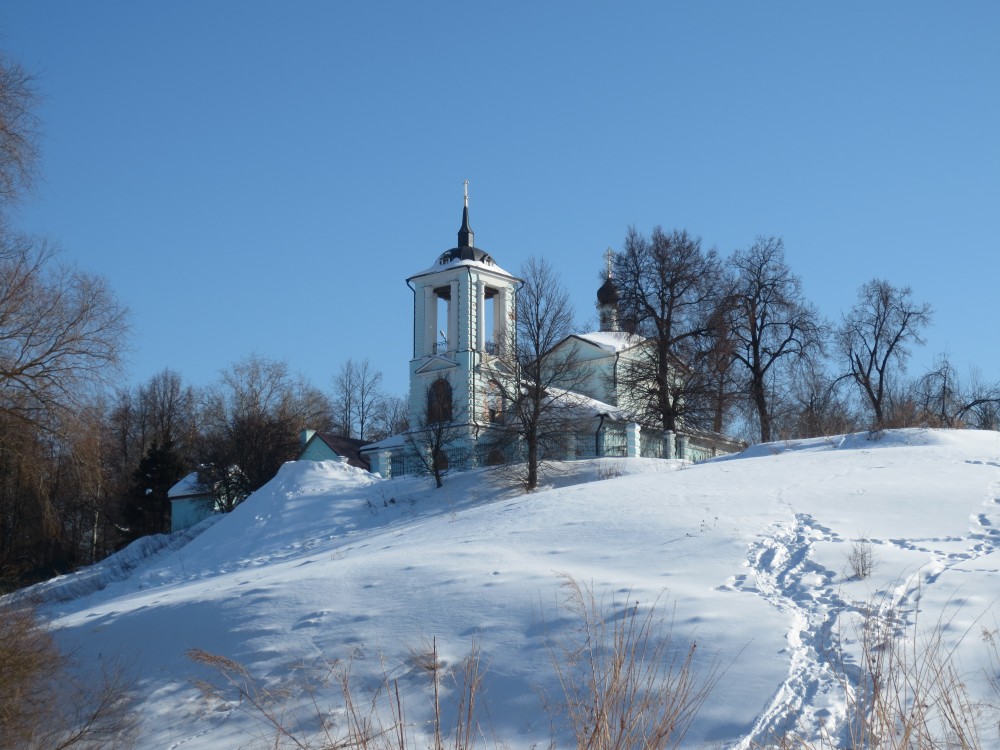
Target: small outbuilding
pixel 325 446
pixel 189 503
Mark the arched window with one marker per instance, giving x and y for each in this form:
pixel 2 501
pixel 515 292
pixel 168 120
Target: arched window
pixel 439 402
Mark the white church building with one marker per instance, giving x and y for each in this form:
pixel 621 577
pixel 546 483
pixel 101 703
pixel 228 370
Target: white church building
pixel 464 312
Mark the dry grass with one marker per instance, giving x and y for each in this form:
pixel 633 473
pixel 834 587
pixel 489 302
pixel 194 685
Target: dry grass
pixel 361 720
pixel 43 706
pixel 626 683
pixel 861 559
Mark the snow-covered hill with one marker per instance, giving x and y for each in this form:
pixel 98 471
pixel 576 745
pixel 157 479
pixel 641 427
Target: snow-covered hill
pixel 328 562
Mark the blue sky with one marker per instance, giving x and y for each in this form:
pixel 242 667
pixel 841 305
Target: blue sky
pixel 262 177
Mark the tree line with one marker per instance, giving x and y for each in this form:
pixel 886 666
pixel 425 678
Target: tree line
pixel 738 346
pixel 731 345
pixel 91 473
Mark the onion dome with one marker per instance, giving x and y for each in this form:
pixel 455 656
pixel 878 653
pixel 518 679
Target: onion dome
pixel 608 293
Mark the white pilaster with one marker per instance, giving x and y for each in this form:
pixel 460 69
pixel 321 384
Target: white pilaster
pixel 453 317
pixel 480 315
pixel 430 320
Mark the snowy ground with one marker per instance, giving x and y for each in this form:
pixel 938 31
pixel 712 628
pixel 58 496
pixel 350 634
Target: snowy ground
pixel 328 562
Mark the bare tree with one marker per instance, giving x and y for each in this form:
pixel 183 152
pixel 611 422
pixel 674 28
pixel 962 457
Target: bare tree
pixel 981 409
pixel 91 470
pixel 61 332
pixel 253 420
pixel 357 398
pixel 153 441
pixel 942 398
pixel 937 394
pixel 714 402
pixel 391 417
pixel 770 324
pixel 669 290
pixel 818 405
pixel 875 338
pixel 536 403
pixel 169 410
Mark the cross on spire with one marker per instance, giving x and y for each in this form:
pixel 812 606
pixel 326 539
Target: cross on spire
pixel 466 184
pixel 608 255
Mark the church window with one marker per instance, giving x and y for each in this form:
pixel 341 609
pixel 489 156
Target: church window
pixel 439 402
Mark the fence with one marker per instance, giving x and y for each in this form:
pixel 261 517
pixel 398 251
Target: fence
pixel 611 440
pixel 651 444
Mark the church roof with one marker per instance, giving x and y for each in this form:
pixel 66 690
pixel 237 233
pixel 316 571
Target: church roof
pixel 465 253
pixel 465 249
pixel 612 341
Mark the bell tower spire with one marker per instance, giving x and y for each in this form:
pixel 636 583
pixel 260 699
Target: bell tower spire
pixel 466 236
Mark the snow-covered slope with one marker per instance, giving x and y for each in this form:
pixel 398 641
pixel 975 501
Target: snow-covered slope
pixel 328 562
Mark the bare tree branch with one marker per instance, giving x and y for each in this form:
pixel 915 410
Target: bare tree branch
pixel 536 409
pixel 61 332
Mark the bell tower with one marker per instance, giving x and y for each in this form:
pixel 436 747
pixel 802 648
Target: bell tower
pixel 463 318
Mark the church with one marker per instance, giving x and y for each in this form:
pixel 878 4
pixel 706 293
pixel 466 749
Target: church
pixel 464 314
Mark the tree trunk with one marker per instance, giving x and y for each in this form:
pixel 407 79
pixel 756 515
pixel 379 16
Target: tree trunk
pixel 760 403
pixel 532 479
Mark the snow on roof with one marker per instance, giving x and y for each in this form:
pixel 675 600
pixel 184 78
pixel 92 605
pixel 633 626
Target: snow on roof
pixel 394 441
pixel 438 267
pixel 612 341
pixel 187 487
pixel 587 406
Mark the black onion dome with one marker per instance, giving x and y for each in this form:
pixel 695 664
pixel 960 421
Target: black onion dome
pixel 608 293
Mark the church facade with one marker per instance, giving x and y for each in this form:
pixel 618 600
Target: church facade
pixel 464 318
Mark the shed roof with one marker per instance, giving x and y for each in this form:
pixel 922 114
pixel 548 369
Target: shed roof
pixel 342 446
